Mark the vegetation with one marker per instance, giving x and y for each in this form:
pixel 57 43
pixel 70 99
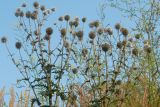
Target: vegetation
pixel 102 67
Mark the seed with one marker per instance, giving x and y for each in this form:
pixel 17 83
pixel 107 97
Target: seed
pixel 84 52
pixel 100 31
pixel 74 70
pixel 124 31
pixel 119 45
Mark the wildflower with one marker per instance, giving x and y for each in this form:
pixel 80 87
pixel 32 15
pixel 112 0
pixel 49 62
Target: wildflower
pixel 84 52
pixel 18 45
pixel 49 31
pixel 43 8
pixel 66 17
pixel 84 19
pixel 117 26
pixel 119 45
pixel 36 5
pixel 105 47
pixel 63 32
pixel 3 39
pixel 108 30
pixel 124 42
pixel 74 70
pixel 34 15
pixel 80 35
pixel 100 31
pixel 92 34
pixel 124 31
pixel 28 14
pixel 135 51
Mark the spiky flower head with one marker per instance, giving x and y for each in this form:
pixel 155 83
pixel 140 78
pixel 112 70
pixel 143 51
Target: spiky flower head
pixel 117 26
pixel 36 5
pixel 49 31
pixel 92 34
pixel 105 47
pixel 124 31
pixel 3 39
pixel 63 32
pixel 84 19
pixel 119 45
pixel 108 30
pixel 18 45
pixel 66 17
pixel 79 34
pixel 43 8
pixel 100 31
pixel 135 51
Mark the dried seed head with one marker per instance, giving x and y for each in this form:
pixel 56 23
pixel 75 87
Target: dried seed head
pixel 66 44
pixel 43 8
pixel 84 19
pixel 3 39
pixel 147 48
pixel 74 70
pixel 117 26
pixel 49 31
pixel 17 13
pixel 84 52
pixel 28 14
pixel 92 34
pixel 124 42
pixel 60 18
pixel 79 35
pixel 96 23
pixel 18 45
pixel 124 31
pixel 135 51
pixel 105 47
pixel 24 5
pixel 108 30
pixel 137 36
pixel 66 17
pixel 63 32
pixel 119 45
pixel 100 31
pixel 53 9
pixel 36 5
pixel 34 16
pixel 75 23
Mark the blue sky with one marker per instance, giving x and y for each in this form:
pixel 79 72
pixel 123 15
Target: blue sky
pixel 88 8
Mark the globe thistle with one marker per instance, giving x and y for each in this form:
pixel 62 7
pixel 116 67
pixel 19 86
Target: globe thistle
pixel 105 47
pixel 100 31
pixel 75 23
pixel 117 26
pixel 66 17
pixel 21 14
pixel 92 34
pixel 147 48
pixel 124 31
pixel 84 19
pixel 76 19
pixel 36 5
pixel 119 45
pixel 137 36
pixel 66 44
pixel 124 42
pixel 79 35
pixel 74 70
pixel 3 39
pixel 18 45
pixel 108 30
pixel 60 18
pixel 135 51
pixel 84 52
pixel 34 16
pixel 24 5
pixel 49 31
pixel 28 14
pixel 42 8
pixel 63 32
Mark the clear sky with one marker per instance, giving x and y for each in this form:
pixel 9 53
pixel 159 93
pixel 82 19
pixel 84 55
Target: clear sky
pixel 88 8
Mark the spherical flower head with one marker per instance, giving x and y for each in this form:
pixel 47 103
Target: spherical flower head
pixel 60 18
pixel 74 70
pixel 124 31
pixel 49 31
pixel 63 32
pixel 3 39
pixel 117 26
pixel 137 36
pixel 105 47
pixel 24 5
pixel 100 31
pixel 53 9
pixel 36 5
pixel 135 51
pixel 34 16
pixel 28 14
pixel 84 19
pixel 80 35
pixel 92 34
pixel 119 45
pixel 124 42
pixel 84 52
pixel 66 17
pixel 66 44
pixel 108 30
pixel 18 45
pixel 42 8
pixel 96 23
